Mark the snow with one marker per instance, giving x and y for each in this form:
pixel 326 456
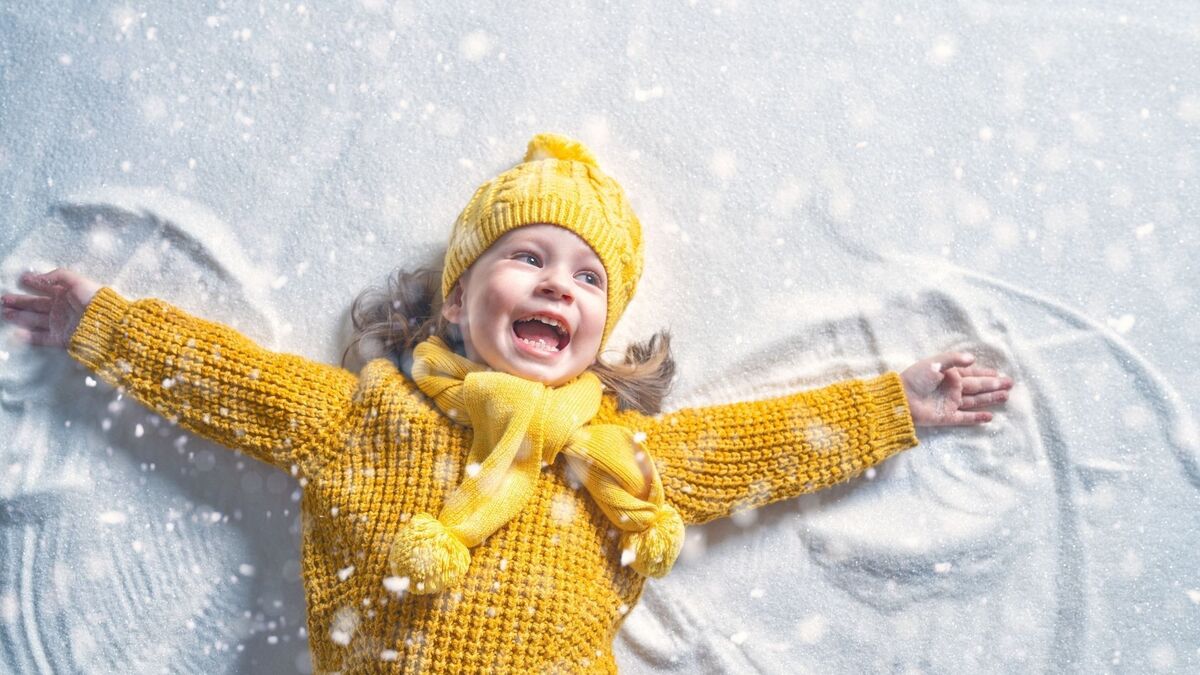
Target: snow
pixel 855 185
pixel 344 624
pixel 397 585
pixel 628 555
pixel 562 509
pixel 112 518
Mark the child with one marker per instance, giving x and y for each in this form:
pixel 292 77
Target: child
pixel 441 532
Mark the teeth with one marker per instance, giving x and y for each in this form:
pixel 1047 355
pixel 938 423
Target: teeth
pixel 540 344
pixel 548 321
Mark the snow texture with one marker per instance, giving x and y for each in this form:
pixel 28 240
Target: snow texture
pixel 828 190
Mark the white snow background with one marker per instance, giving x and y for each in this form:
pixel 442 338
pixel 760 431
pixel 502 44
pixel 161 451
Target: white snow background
pixel 828 190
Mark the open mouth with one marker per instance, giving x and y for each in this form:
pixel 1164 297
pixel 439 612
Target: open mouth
pixel 543 333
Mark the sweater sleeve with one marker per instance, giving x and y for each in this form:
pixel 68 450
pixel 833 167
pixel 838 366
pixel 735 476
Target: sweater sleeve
pixel 212 380
pixel 720 459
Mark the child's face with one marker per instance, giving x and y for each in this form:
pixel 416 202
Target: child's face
pixel 541 270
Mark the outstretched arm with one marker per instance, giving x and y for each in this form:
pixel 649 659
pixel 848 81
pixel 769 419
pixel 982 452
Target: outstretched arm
pixel 206 376
pixel 719 459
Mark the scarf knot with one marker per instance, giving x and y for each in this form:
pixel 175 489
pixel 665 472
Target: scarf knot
pixel 520 426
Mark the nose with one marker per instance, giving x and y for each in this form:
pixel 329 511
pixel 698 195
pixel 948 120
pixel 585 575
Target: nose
pixel 556 284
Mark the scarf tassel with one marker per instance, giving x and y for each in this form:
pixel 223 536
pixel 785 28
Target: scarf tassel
pixel 429 555
pixel 655 549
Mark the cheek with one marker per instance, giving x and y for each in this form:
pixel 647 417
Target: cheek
pixel 490 306
pixel 596 318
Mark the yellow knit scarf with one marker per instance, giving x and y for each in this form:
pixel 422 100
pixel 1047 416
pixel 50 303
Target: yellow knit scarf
pixel 520 426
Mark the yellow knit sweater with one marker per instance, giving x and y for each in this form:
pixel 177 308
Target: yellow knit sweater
pixel 546 592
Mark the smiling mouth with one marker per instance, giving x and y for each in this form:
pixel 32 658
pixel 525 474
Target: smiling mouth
pixel 542 333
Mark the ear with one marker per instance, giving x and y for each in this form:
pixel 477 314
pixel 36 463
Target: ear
pixel 452 308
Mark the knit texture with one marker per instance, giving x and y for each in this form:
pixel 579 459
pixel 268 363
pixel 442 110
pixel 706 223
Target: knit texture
pixel 546 592
pixel 558 183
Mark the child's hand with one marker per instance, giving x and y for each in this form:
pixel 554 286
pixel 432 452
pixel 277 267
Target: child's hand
pixel 941 389
pixel 49 318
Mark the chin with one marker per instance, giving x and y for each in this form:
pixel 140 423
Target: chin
pixel 550 379
pixel 551 376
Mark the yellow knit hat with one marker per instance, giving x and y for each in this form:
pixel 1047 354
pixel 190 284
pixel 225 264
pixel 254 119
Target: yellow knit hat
pixel 558 183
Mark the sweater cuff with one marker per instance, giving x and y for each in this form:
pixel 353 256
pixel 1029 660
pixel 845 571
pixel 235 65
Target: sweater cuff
pixel 90 342
pixel 893 429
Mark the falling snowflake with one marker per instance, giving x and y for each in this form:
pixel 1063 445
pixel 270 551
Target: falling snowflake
pixel 345 622
pixel 627 557
pixel 562 509
pixel 112 518
pixel 812 629
pixel 397 585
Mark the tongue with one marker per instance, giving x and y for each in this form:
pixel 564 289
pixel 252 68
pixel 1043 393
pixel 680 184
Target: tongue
pixel 536 330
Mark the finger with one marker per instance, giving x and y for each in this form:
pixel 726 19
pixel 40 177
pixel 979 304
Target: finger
pixel 22 335
pixel 963 419
pixel 36 303
pixel 61 276
pixel 28 319
pixel 979 371
pixel 991 398
pixel 38 282
pixel 979 385
pixel 40 338
pixel 955 359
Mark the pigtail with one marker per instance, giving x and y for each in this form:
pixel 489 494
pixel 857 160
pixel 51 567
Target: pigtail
pixel 390 321
pixel 644 378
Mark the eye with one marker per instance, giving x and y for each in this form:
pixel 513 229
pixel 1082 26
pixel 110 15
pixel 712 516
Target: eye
pixel 589 278
pixel 525 256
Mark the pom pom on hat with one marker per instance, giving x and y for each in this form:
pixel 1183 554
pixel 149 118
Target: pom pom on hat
pixel 656 548
pixel 429 555
pixel 553 146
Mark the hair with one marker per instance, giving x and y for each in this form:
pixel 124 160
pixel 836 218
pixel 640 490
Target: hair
pixel 390 322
